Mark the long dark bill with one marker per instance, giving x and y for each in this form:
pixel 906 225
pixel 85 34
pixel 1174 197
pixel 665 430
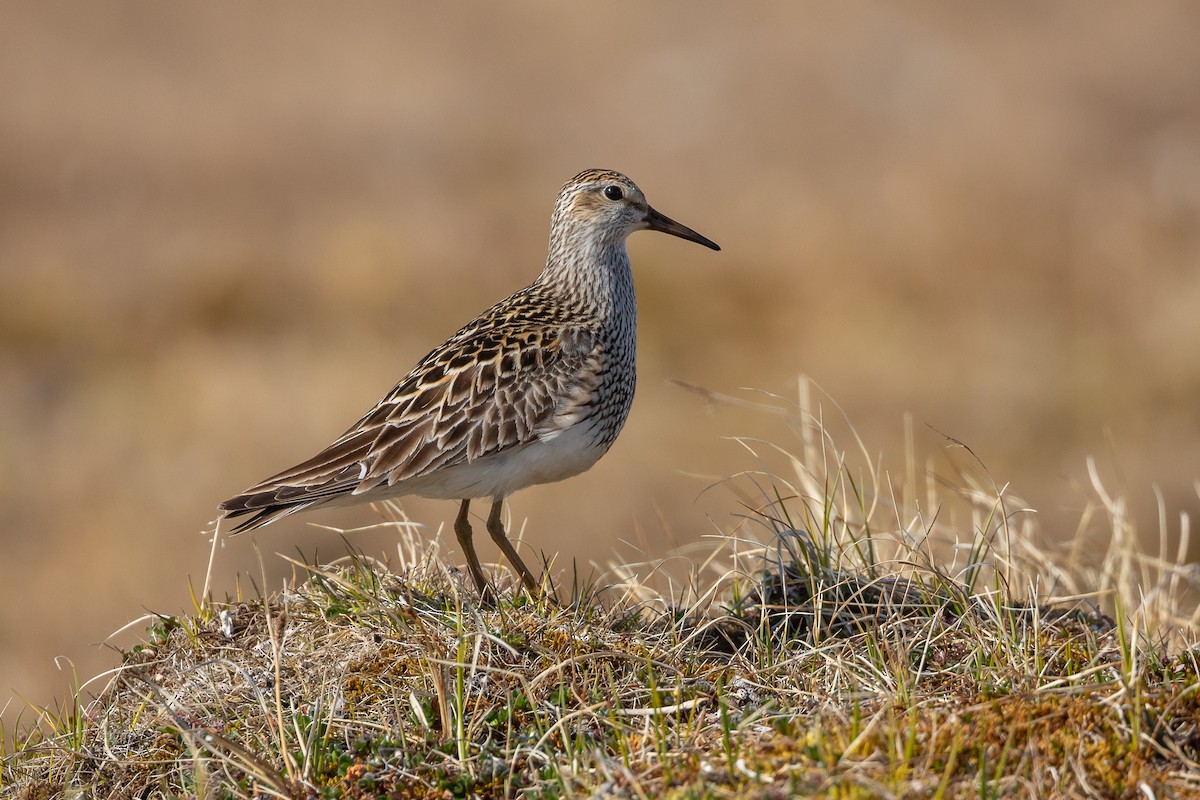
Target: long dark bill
pixel 658 222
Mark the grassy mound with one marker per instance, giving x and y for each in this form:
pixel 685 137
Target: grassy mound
pixel 838 642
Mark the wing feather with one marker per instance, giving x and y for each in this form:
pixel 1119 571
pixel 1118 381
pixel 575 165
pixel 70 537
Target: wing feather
pixel 474 397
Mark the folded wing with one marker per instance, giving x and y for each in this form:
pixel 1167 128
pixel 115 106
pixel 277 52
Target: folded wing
pixel 474 397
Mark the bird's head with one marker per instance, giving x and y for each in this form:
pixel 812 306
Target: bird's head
pixel 605 206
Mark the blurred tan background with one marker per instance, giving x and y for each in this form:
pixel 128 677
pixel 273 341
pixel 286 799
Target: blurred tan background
pixel 226 230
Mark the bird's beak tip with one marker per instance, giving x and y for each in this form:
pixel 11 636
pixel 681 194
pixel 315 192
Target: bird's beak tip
pixel 656 221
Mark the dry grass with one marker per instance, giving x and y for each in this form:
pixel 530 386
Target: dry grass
pixel 854 636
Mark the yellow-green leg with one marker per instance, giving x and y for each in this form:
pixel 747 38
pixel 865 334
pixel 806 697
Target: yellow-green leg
pixel 462 529
pixel 496 529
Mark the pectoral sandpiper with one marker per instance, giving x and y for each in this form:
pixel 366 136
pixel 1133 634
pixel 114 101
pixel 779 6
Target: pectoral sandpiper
pixel 533 390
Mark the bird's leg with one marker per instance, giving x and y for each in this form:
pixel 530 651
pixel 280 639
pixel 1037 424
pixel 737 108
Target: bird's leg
pixel 496 529
pixel 462 529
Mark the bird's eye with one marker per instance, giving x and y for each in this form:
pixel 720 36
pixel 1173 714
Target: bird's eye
pixel 613 192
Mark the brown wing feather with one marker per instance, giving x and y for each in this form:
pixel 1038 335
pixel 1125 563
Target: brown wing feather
pixel 473 397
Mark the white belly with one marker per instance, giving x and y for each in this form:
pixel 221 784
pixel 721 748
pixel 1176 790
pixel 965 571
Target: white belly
pixel 568 453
